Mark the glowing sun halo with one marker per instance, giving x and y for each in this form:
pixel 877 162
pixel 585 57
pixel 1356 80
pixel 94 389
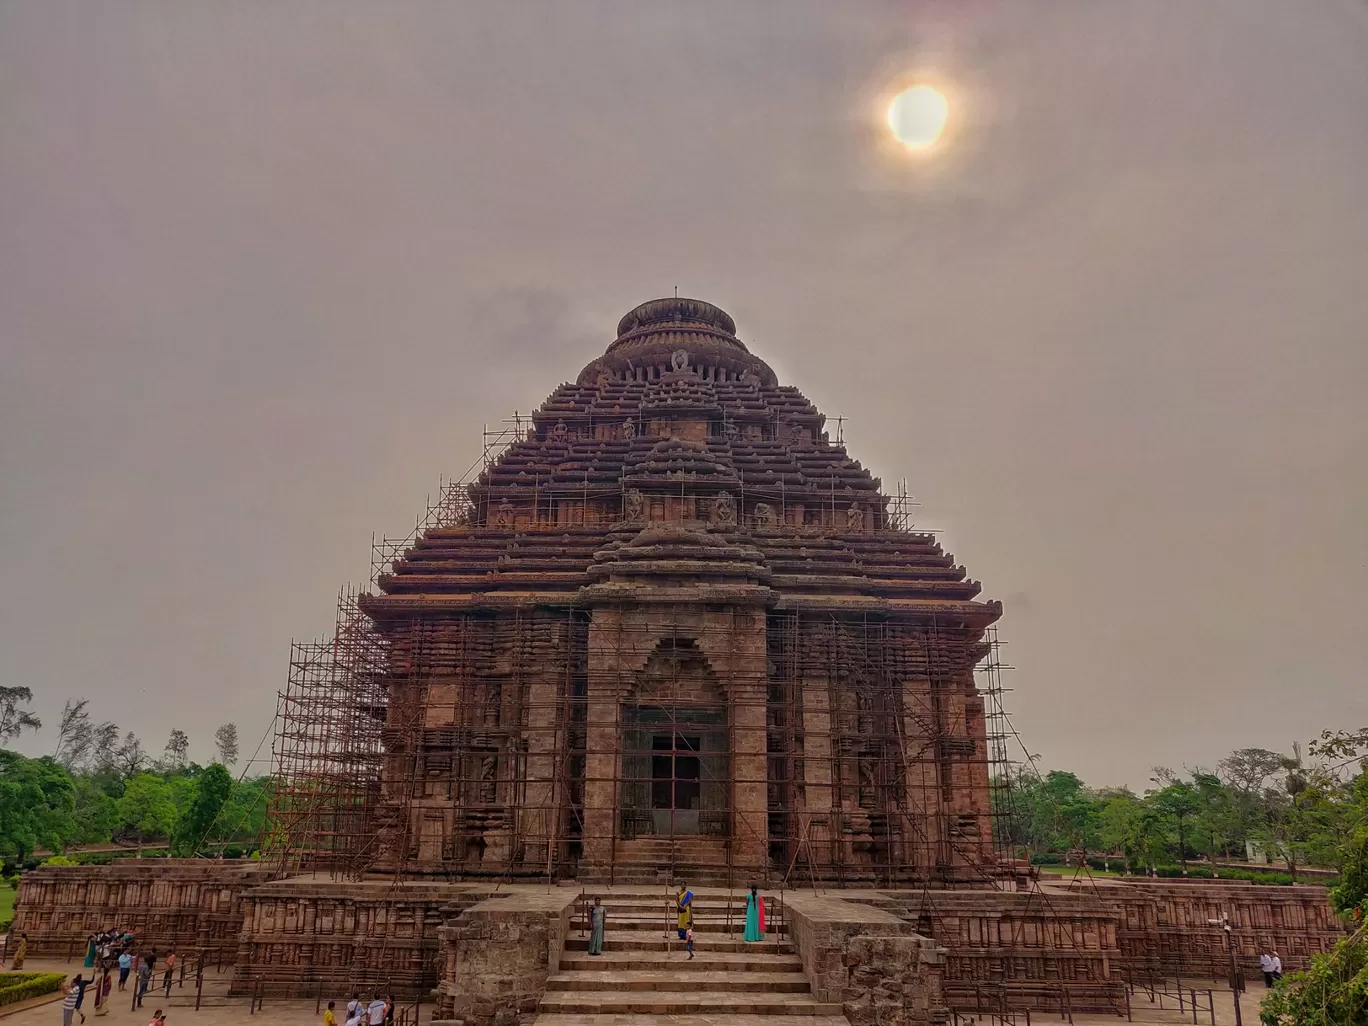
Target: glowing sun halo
pixel 917 116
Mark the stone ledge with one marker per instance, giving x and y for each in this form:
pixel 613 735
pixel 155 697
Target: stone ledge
pixel 868 961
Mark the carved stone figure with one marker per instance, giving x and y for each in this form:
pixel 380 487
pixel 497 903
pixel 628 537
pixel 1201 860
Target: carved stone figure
pixel 634 506
pixel 855 517
pixel 724 509
pixel 560 432
pixel 503 517
pixel 679 360
pixel 628 429
pixel 764 514
pixel 731 431
pixel 797 433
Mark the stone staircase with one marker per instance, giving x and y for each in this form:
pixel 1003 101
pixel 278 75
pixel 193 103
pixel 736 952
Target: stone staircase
pixel 644 975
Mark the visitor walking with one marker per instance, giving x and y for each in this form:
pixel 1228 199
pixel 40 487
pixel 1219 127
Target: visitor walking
pixel 597 918
pixel 354 1007
pixel 144 978
pixel 684 911
pixel 69 993
pixel 102 988
pixel 158 1018
pixel 688 942
pixel 170 969
pixel 755 916
pixel 1277 967
pixel 389 1010
pixel 20 953
pixel 125 966
pixel 376 1010
pixel 91 949
pixel 80 986
pixel 329 1016
pixel 1266 966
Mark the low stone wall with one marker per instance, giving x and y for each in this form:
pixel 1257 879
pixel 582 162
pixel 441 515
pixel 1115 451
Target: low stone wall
pixel 498 954
pixel 309 932
pixel 1164 928
pixel 866 959
pixel 185 904
pixel 1012 950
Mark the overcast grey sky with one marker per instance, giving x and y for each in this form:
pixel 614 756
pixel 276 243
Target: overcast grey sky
pixel 266 269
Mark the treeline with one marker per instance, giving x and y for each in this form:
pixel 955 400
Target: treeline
pixel 1300 809
pixel 100 786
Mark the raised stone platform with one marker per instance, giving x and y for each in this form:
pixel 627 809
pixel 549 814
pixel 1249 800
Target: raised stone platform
pixel 1163 926
pixel 185 904
pixel 490 952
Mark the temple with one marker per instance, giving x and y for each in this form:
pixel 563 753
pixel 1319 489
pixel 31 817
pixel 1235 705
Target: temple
pixel 677 627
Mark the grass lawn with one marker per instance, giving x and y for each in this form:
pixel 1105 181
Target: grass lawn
pixel 6 901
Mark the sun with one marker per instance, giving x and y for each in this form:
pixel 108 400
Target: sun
pixel 917 116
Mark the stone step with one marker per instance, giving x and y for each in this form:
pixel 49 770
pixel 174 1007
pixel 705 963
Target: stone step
pixel 706 943
pixel 707 961
pixel 700 925
pixel 559 1019
pixel 683 1002
pixel 680 977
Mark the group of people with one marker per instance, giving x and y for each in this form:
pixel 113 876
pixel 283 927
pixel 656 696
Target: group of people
pixel 106 952
pixel 684 918
pixel 379 1011
pixel 1271 965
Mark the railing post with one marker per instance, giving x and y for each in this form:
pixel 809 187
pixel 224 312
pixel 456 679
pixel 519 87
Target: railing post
pixel 199 983
pixel 1194 1006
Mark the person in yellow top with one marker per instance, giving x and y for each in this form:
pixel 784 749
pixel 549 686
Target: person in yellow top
pixel 684 906
pixel 330 1017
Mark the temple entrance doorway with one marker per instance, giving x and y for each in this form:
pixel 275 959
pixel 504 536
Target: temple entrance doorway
pixel 675 749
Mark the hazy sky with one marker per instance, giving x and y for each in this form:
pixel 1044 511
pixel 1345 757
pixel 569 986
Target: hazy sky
pixel 267 269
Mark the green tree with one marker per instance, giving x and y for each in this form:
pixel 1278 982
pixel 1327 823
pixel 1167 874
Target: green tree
pixel 212 789
pixel 244 816
pixel 146 809
pixel 36 805
pixel 95 812
pixel 1178 802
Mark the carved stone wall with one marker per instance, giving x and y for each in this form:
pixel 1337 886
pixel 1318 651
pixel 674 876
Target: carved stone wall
pixel 1018 950
pixel 185 904
pixel 302 933
pixel 1164 925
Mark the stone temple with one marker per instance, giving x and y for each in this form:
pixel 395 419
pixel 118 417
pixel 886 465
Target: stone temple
pixel 669 631
pixel 679 628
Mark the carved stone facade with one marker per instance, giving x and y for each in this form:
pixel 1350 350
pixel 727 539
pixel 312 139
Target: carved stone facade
pixel 678 612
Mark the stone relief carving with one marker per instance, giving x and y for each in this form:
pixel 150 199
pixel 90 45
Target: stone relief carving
pixel 628 430
pixel 764 514
pixel 855 517
pixel 503 516
pixel 797 433
pixel 560 432
pixel 679 360
pixel 635 505
pixel 724 509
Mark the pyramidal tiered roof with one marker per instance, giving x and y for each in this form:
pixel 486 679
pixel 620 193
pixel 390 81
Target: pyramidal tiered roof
pixel 677 423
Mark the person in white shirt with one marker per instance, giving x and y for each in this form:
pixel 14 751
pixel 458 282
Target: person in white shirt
pixel 1277 967
pixel 376 1009
pixel 355 1008
pixel 1266 964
